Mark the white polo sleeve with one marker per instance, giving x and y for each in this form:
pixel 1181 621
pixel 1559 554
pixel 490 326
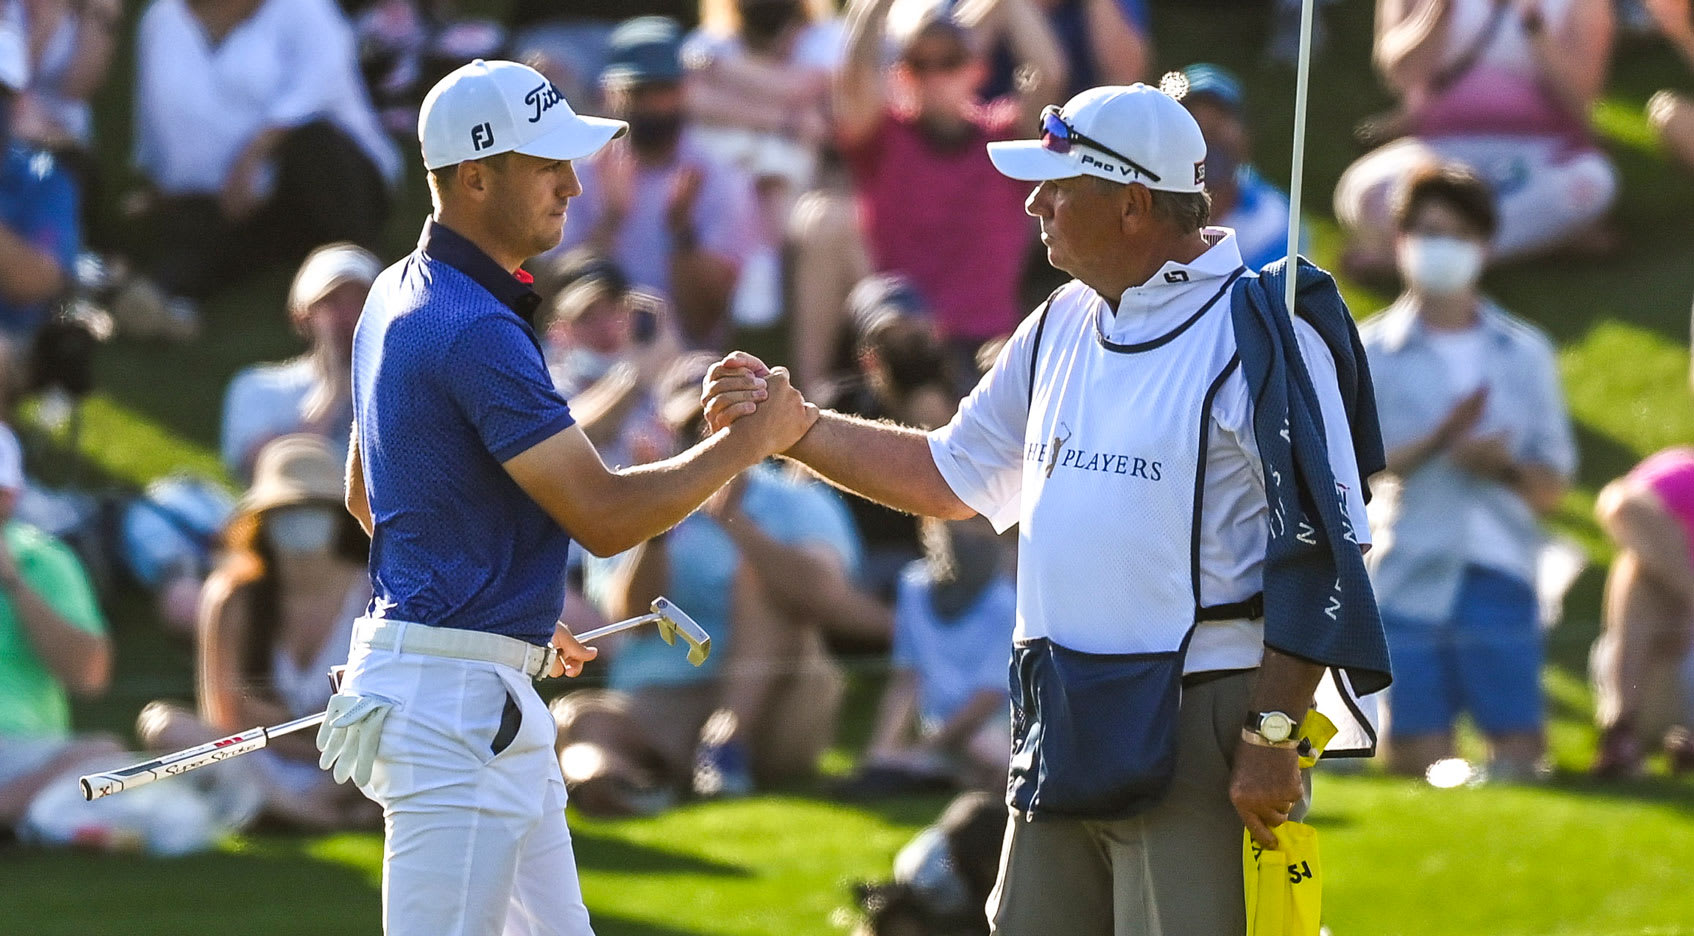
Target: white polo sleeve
pixel 980 452
pixel 1320 366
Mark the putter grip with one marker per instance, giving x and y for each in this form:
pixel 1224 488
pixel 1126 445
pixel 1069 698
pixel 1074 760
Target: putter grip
pixel 96 785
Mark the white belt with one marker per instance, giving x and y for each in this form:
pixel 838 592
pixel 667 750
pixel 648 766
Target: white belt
pixel 455 643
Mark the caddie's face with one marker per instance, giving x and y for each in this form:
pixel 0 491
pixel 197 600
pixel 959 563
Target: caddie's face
pixel 1082 223
pixel 526 197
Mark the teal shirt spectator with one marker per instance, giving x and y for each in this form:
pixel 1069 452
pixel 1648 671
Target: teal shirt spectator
pixel 795 511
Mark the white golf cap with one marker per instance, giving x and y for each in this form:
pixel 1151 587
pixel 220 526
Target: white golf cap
pixel 486 108
pixel 328 267
pixel 1125 134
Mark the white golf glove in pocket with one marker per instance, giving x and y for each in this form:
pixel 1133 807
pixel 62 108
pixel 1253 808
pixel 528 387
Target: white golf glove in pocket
pixel 349 734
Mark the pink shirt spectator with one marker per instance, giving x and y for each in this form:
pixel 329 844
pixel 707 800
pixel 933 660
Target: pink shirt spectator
pixel 946 219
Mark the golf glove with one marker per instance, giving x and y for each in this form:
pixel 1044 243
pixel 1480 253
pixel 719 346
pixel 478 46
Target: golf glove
pixel 349 734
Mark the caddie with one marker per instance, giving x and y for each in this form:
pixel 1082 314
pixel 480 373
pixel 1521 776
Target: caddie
pixel 472 478
pixel 1183 460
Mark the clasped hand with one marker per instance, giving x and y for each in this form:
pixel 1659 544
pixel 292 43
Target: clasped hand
pixel 743 395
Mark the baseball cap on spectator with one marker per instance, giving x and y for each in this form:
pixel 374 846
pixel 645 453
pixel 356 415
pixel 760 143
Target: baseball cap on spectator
pixel 910 19
pixel 881 299
pixel 1203 81
pixel 487 108
pixel 1126 134
pixel 583 277
pixel 644 50
pixel 328 267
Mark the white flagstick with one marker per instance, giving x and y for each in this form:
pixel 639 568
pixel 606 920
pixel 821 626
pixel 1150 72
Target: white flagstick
pixel 1298 172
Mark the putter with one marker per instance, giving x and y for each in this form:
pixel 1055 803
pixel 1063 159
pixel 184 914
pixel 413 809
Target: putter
pixel 672 622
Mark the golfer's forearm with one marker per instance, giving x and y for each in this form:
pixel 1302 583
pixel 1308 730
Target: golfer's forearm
pixel 640 503
pixel 1286 684
pixel 881 462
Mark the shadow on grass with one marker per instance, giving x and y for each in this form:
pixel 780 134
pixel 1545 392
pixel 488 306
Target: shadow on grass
pixel 607 925
pixel 595 852
pixel 276 891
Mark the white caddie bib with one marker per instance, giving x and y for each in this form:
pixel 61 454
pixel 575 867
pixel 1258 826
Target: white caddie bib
pixel 1114 454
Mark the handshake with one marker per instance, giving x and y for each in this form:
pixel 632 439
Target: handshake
pixel 756 402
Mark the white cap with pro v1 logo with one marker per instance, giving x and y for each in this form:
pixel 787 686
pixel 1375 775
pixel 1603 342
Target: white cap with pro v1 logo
pixel 1125 134
pixel 487 108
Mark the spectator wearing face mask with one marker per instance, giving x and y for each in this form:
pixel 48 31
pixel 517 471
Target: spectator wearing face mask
pixel 679 222
pixel 902 373
pixel 1479 449
pixel 607 346
pixel 1242 199
pixel 310 393
pixel 944 713
pixel 276 613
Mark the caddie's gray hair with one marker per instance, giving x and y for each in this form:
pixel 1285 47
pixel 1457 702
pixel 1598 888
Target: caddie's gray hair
pixel 1187 212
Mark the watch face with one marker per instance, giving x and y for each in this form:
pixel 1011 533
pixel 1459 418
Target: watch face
pixel 1276 727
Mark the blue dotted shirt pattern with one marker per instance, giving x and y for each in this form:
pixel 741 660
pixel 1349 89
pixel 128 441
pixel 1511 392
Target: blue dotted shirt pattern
pixel 448 383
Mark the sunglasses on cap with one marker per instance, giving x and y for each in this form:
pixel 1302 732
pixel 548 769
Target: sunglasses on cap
pixel 1059 136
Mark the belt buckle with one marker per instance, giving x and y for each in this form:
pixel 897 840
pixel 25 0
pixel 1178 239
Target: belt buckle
pixel 549 656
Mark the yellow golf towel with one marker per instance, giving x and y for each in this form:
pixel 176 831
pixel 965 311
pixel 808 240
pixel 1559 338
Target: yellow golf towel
pixel 1284 887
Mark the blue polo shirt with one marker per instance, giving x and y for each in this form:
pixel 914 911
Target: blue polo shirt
pixel 448 383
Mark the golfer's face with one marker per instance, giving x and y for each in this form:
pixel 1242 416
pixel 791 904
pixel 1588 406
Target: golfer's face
pixel 530 195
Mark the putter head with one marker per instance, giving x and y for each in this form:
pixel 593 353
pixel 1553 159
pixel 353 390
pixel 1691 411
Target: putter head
pixel 674 623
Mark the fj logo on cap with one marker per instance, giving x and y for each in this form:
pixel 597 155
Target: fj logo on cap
pixel 1200 173
pixel 542 98
pixel 482 137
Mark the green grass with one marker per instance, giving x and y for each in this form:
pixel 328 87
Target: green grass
pixel 1400 858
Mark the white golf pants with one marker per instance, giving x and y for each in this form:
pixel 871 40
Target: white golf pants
pixel 474 804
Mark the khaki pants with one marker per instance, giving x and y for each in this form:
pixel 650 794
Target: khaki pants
pixel 1172 871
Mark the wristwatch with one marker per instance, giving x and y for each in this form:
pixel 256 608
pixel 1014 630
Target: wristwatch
pixel 1270 729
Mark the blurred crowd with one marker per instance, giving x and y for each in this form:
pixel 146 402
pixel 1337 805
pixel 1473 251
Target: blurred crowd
pixel 815 177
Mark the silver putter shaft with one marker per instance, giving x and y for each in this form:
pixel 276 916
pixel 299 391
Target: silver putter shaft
pixel 671 620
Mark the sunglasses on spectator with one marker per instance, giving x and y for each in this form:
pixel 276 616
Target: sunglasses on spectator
pixel 940 64
pixel 1059 136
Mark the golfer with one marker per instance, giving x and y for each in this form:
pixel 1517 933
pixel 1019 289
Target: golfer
pixel 472 479
pixel 1176 610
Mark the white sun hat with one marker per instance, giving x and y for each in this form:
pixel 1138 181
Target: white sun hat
pixel 487 108
pixel 1126 134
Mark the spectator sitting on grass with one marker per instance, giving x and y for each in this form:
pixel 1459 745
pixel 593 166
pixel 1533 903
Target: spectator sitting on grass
pixel 766 568
pixel 310 393
pixel 1506 89
pixel 275 615
pixel 1479 449
pixel 52 642
pixel 1640 662
pixel 256 137
pixel 944 714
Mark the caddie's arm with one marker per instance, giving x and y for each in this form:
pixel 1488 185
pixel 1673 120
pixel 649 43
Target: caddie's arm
pixel 878 461
pixel 610 511
pixel 1265 783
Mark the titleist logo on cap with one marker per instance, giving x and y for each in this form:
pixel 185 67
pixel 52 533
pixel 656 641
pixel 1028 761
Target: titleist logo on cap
pixel 542 97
